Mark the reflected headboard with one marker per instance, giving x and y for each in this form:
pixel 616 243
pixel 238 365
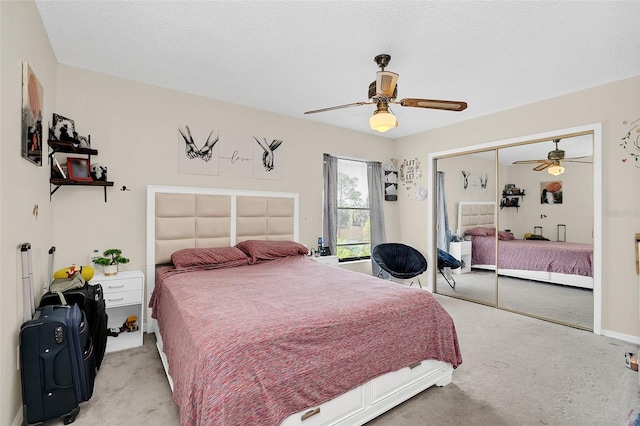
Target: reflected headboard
pixel 473 214
pixel 183 217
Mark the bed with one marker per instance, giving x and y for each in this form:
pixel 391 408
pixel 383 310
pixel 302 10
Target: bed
pixel 546 261
pixel 275 337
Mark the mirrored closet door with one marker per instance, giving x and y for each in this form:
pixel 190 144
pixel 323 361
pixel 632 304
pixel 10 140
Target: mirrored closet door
pixel 464 180
pixel 554 210
pixel 541 237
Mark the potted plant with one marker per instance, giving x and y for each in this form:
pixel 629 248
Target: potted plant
pixel 110 261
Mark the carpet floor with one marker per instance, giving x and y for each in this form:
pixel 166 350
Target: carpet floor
pixel 569 305
pixel 516 370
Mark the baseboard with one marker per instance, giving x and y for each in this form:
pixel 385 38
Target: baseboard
pixel 17 421
pixel 620 336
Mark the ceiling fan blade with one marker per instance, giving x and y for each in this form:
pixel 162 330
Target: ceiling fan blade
pixel 529 161
pixel 585 159
pixel 338 107
pixel 542 166
pixel 434 104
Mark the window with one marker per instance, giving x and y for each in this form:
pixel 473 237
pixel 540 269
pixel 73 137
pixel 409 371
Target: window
pixel 353 212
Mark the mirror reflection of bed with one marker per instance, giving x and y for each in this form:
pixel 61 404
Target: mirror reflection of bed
pixel 562 291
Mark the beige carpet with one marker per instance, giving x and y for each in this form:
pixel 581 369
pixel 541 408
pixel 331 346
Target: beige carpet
pixel 516 371
pixel 566 304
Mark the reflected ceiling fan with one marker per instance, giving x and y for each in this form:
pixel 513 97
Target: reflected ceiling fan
pixel 552 163
pixel 384 91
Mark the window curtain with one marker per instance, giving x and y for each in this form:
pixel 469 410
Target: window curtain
pixel 376 216
pixel 444 233
pixel 330 197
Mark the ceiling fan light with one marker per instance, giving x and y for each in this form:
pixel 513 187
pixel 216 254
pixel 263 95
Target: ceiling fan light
pixel 556 170
pixel 383 121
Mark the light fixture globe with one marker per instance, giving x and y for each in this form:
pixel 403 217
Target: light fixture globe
pixel 555 170
pixel 382 121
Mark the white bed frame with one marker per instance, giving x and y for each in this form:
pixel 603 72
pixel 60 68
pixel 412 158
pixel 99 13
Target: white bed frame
pixel 355 407
pixel 473 214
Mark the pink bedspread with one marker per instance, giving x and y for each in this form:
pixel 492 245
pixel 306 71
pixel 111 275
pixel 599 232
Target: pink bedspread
pixel 254 344
pixel 549 256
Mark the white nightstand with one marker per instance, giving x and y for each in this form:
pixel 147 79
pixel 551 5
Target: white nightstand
pixel 461 251
pixel 123 296
pixel 327 260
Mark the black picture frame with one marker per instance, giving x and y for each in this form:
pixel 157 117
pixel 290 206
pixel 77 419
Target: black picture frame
pixel 63 129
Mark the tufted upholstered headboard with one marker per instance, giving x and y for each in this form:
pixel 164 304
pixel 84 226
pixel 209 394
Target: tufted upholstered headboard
pixel 473 214
pixel 182 217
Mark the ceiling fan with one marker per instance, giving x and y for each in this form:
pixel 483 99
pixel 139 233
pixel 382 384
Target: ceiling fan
pixel 384 91
pixel 552 163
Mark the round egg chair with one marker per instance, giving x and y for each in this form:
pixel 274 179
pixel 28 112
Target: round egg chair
pixel 400 261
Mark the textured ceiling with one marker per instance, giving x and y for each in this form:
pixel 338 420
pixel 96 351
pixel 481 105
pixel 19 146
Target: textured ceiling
pixel 288 57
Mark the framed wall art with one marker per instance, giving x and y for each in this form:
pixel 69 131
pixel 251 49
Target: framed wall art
pixel 31 144
pixel 79 169
pixel 551 192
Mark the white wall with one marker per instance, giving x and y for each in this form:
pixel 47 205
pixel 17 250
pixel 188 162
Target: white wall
pixel 453 186
pixel 611 105
pixel 22 184
pixel 576 210
pixel 134 127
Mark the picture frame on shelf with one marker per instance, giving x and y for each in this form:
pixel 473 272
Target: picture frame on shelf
pixel 84 141
pixel 508 188
pixel 63 129
pixel 79 169
pixel 59 170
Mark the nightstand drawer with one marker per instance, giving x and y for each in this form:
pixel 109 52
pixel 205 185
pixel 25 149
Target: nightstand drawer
pixel 119 298
pixel 127 284
pixel 465 249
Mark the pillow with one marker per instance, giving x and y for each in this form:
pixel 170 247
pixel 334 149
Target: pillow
pixel 86 271
pixel 207 256
pixel 268 250
pixel 481 232
pixel 505 236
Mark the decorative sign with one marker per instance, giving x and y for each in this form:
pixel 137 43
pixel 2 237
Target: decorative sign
pixel 631 142
pixel 410 173
pixel 218 153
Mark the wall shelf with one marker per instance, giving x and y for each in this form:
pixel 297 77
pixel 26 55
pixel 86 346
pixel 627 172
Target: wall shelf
pixel 510 199
pixel 69 148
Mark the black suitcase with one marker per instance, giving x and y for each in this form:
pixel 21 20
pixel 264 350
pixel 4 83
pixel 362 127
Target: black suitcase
pixel 57 364
pixel 90 299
